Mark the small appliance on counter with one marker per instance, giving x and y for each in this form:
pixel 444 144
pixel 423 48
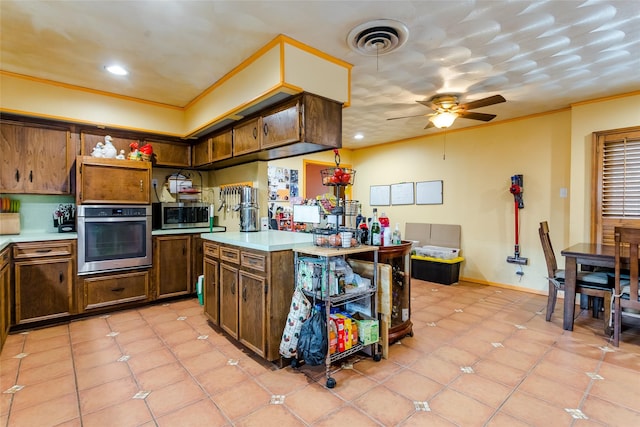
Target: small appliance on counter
pixel 249 211
pixel 64 218
pixel 180 215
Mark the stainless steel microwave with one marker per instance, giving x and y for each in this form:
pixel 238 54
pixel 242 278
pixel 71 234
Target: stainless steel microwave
pixel 180 215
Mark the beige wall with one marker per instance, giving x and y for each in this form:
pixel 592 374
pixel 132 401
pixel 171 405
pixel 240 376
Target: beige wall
pixel 587 118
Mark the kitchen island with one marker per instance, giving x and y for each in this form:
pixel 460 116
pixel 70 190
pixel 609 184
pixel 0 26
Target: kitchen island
pixel 248 284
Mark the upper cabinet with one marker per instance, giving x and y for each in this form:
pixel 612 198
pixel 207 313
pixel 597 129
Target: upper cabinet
pixel 303 124
pixel 106 181
pixel 213 148
pixel 35 159
pixel 170 154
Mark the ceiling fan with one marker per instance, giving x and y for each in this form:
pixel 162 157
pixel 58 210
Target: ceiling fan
pixel 447 108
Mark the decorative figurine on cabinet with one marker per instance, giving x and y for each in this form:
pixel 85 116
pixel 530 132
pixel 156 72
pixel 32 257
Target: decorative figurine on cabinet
pixel 109 151
pixel 121 156
pixel 98 150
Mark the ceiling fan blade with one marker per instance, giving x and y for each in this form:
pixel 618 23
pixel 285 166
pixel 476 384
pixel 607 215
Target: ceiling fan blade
pixel 495 99
pixel 429 125
pixel 476 116
pixel 407 117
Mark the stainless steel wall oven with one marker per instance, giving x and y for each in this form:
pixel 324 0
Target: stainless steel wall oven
pixel 113 237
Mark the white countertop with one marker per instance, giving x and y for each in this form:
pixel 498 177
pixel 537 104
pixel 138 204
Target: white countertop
pixel 40 236
pixel 269 241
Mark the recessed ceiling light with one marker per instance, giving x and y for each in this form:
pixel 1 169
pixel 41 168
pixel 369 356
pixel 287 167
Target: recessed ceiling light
pixel 358 136
pixel 116 69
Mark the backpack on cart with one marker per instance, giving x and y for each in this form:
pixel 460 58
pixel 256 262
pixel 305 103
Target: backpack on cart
pixel 312 345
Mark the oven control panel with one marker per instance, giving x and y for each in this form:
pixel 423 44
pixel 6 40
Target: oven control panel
pixel 113 211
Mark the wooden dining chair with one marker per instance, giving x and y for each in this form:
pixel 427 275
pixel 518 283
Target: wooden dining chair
pixel 626 297
pixel 593 284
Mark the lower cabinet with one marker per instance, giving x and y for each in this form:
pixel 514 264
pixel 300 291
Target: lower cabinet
pixel 5 294
pixel 44 280
pixel 211 289
pixel 254 294
pixel 177 264
pixel 172 265
pixel 110 289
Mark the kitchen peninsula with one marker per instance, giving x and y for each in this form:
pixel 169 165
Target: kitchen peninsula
pixel 248 284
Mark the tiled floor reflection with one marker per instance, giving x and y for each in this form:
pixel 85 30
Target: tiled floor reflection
pixel 480 356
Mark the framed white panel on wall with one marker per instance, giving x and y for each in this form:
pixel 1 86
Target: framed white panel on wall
pixel 429 193
pixel 402 194
pixel 380 195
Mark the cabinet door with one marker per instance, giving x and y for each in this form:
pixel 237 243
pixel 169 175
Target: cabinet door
pixel 113 181
pixel 35 160
pixel 5 295
pixel 252 312
pixel 221 146
pixel 229 299
pixel 201 153
pixel 197 256
pixel 172 265
pixel 44 289
pixel 170 154
pixel 211 292
pixel 247 137
pixel 281 126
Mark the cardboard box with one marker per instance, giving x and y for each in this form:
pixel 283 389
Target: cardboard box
pixel 368 328
pixel 9 223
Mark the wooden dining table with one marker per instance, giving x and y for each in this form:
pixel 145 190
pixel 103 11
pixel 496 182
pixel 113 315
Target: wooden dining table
pixel 585 254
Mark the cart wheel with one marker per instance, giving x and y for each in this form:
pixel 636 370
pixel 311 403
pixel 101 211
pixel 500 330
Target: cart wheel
pixel 331 383
pixel 377 357
pixel 295 363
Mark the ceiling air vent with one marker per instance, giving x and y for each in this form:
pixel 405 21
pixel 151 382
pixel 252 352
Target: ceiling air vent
pixel 378 37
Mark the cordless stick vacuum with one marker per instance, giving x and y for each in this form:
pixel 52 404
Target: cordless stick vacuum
pixel 516 190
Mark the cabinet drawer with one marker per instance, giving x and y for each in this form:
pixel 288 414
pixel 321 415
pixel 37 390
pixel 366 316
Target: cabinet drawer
pixel 211 250
pixel 42 249
pixel 230 255
pixel 254 261
pixel 115 289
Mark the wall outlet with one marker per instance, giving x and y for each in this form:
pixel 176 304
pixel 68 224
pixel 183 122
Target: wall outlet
pixel 154 182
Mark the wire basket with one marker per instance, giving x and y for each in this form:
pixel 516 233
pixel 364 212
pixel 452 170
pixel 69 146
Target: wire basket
pixel 330 238
pixel 337 176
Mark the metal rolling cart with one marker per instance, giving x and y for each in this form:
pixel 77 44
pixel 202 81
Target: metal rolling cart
pixel 323 256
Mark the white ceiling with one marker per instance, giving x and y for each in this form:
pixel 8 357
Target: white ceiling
pixel 541 56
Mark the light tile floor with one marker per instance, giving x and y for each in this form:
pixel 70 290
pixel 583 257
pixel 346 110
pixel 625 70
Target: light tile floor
pixel 480 356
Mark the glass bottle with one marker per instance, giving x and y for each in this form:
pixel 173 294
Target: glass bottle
pixel 359 217
pixel 397 239
pixel 376 231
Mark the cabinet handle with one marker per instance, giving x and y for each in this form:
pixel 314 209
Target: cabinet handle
pixel 30 176
pixel 141 186
pixel 244 294
pixel 265 129
pixel 43 251
pixel 117 289
pixel 61 277
pixel 184 250
pixel 233 289
pixel 17 175
pixel 255 133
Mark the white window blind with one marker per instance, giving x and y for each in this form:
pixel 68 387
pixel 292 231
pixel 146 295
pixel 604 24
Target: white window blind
pixel 621 179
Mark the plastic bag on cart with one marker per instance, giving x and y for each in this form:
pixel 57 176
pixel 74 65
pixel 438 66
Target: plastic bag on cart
pixel 312 346
pixel 299 312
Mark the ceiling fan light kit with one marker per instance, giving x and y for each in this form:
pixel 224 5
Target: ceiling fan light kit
pixel 443 120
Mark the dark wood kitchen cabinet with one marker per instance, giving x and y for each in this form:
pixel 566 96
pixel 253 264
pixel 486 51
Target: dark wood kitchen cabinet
pixel 211 289
pixel 44 280
pixel 172 264
pixel 213 148
pixel 169 154
pixel 255 289
pixel 113 181
pixel 109 290
pixel 89 140
pixel 35 159
pixel 5 294
pixel 305 118
pixel 247 137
